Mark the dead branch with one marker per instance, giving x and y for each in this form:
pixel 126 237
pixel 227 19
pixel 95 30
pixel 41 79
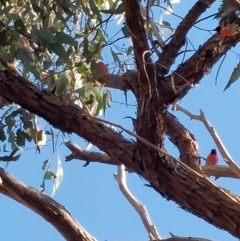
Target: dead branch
pixel 78 153
pixel 45 206
pixel 218 171
pixel 139 207
pixel 222 149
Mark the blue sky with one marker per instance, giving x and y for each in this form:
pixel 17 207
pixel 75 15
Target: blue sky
pixel 92 195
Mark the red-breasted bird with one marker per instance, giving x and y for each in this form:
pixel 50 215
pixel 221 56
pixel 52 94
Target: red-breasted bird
pixel 229 26
pixel 228 30
pixel 212 158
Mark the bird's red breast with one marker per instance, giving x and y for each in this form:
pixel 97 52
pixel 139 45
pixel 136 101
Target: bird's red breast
pixel 226 32
pixel 212 158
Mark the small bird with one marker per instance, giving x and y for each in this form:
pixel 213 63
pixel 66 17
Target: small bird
pixel 228 30
pixel 212 158
pixel 228 26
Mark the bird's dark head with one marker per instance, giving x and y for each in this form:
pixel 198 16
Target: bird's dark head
pixel 217 29
pixel 213 151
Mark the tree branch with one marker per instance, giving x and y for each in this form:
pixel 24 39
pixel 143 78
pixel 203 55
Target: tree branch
pixel 193 70
pixel 219 171
pixel 46 207
pixel 135 24
pixel 172 179
pixel 78 153
pixel 120 82
pixel 184 140
pixel 139 207
pixel 89 156
pixel 170 51
pixel 226 156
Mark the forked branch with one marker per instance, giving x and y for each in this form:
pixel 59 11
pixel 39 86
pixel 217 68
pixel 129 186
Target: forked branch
pixel 222 149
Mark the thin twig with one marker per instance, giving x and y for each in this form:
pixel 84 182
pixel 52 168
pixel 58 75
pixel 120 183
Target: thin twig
pixel 138 206
pixel 226 156
pixel 150 21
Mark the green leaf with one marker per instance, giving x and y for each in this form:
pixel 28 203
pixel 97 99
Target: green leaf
pixel 20 27
pixel 2 135
pixel 45 163
pixel 88 88
pixel 52 134
pixel 22 55
pixel 42 186
pixel 125 31
pixel 82 69
pixel 36 8
pixel 11 157
pixel 21 137
pixel 47 34
pixel 64 38
pixel 12 16
pixel 49 175
pixel 118 10
pixel 59 176
pixel 3 39
pixel 2 67
pixel 14 38
pixel 95 10
pixel 47 64
pixel 168 26
pixel 109 98
pixel 115 57
pixel 234 77
pixel 7 56
pixel 59 50
pixel 62 83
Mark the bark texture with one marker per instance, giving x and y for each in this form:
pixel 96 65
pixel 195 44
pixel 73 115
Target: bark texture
pixel 173 180
pixel 46 207
pixel 177 180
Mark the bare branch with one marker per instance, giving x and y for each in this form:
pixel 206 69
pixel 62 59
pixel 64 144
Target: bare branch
pixel 170 51
pixel 78 153
pixel 226 156
pixel 46 207
pixel 219 171
pixel 138 206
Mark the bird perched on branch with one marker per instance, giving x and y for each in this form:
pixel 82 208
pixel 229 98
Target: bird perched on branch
pixel 229 24
pixel 228 27
pixel 212 158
